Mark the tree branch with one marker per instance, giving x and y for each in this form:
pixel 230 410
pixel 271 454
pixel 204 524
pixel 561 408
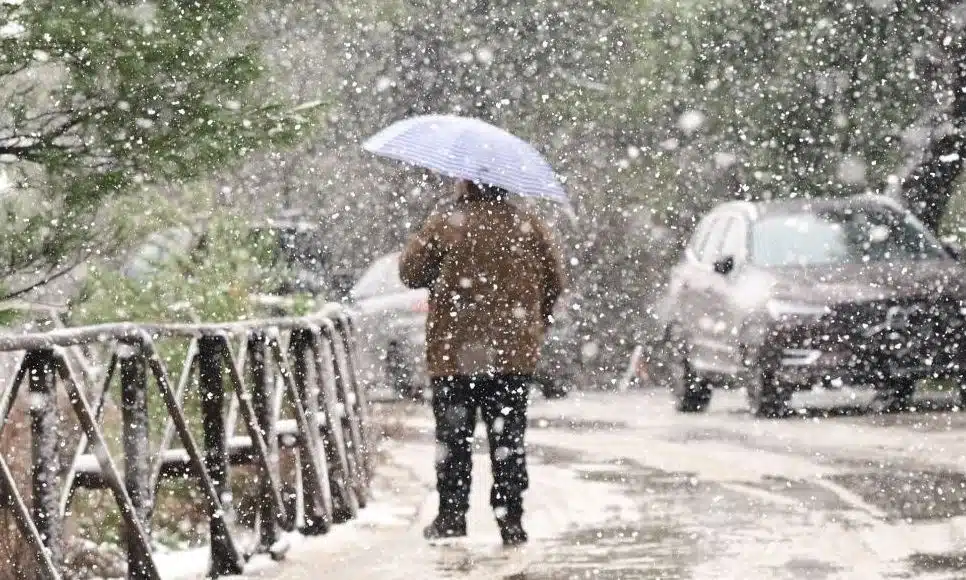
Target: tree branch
pixel 30 150
pixel 50 277
pixel 928 185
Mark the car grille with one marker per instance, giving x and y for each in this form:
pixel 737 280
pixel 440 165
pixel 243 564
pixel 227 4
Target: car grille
pixel 884 336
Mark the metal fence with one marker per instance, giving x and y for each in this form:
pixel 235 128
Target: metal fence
pixel 291 383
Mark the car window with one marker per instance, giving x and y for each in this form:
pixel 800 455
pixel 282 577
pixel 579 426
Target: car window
pixel 381 279
pixel 735 240
pixel 841 236
pixel 711 249
pixel 701 233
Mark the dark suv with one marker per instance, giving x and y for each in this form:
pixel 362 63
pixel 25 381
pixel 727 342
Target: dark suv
pixel 782 296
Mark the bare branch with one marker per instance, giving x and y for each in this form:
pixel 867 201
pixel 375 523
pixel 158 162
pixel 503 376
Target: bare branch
pixel 50 277
pixel 30 148
pixel 927 180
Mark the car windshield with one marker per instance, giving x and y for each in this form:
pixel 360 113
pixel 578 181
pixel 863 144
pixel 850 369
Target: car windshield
pixel 381 279
pixel 841 236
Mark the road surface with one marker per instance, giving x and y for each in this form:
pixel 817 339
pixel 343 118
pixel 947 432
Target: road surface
pixel 623 487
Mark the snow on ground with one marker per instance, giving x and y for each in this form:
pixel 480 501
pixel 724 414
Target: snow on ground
pixel 397 492
pixel 771 504
pixel 386 542
pixel 829 530
pixel 623 487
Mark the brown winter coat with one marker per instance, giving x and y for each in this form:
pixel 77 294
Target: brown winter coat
pixel 494 274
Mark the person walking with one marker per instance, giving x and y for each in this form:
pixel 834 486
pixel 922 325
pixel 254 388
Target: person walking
pixel 494 274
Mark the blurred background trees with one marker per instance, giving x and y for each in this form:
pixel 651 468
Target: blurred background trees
pixel 104 100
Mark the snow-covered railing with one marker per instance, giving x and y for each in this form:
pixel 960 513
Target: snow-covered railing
pixel 255 368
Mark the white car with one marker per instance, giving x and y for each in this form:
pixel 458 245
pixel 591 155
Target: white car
pixel 391 320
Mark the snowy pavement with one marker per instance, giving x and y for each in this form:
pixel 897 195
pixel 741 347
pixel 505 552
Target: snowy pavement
pixel 623 487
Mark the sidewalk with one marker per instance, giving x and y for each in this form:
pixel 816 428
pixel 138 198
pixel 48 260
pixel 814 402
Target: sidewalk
pixel 349 549
pixel 566 508
pixel 379 543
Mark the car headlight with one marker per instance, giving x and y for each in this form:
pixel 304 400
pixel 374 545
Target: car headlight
pixel 793 308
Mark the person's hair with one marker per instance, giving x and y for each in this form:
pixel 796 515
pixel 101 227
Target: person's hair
pixel 485 192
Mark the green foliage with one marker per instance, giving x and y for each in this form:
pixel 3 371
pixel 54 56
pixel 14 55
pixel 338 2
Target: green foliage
pixel 7 316
pixel 215 282
pixel 104 98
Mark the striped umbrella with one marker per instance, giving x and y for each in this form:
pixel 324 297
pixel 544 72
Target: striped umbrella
pixel 467 148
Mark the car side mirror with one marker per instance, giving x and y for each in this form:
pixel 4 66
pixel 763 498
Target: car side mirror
pixel 954 251
pixel 725 265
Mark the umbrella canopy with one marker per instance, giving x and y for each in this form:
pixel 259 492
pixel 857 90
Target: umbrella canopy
pixel 467 148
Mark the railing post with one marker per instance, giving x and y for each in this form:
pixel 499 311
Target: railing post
pixel 214 509
pixel 137 471
pixel 262 387
pixel 44 443
pixel 346 330
pixel 211 386
pixel 334 438
pixel 316 522
pixel 348 397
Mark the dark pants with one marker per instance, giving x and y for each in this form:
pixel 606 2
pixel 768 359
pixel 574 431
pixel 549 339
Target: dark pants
pixel 502 400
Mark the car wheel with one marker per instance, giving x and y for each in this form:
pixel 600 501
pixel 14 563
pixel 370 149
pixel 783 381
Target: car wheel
pixel 397 371
pixel 551 390
pixel 548 387
pixel 767 397
pixel 691 393
pixel 896 396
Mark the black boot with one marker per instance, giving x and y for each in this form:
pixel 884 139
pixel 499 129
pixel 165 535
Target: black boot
pixel 510 522
pixel 513 533
pixel 445 527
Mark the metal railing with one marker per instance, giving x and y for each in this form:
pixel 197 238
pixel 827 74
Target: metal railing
pixel 260 370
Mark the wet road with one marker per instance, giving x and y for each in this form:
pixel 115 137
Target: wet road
pixel 623 487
